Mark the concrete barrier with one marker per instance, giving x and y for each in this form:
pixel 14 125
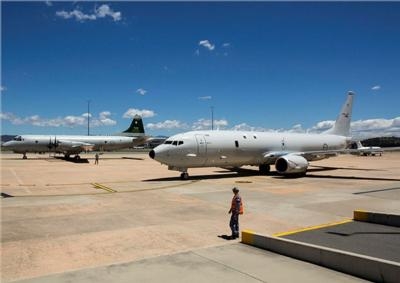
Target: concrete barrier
pixel 370 268
pixel 376 217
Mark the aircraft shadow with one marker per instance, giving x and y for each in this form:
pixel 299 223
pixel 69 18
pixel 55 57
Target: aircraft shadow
pixel 132 158
pixel 328 168
pixel 73 160
pixel 223 174
pixel 351 178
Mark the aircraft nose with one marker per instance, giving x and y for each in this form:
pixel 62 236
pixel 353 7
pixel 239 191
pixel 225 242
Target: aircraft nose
pixel 152 154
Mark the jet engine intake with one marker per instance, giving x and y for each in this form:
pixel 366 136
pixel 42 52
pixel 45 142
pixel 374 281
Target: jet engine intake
pixel 291 164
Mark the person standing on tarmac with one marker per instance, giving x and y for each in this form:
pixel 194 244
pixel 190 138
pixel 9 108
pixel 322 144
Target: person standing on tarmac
pixel 236 209
pixel 96 159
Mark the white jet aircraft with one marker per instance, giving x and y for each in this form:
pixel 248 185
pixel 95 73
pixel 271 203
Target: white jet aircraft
pixel 74 144
pixel 290 152
pixel 368 150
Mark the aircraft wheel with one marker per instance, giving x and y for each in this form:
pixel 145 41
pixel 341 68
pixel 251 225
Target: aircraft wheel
pixel 77 157
pixel 24 157
pixel 264 169
pixel 184 176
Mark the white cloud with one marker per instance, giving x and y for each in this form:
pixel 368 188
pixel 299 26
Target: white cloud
pixel 226 44
pixel 377 87
pixel 141 91
pixel 167 125
pixel 104 120
pixel 205 124
pixel 67 121
pixel 206 44
pixel 197 52
pixel 48 3
pixel 131 112
pixel 208 97
pixel 78 15
pixel 105 10
pixel 101 12
pixel 321 126
pixel 363 129
pixel 360 129
pixel 3 88
pixel 298 128
pixel 243 127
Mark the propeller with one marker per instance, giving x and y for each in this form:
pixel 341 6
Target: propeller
pixel 53 145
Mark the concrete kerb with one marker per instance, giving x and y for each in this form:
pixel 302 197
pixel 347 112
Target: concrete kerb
pixel 377 218
pixel 370 268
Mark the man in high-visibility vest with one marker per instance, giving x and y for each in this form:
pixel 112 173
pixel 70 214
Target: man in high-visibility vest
pixel 236 209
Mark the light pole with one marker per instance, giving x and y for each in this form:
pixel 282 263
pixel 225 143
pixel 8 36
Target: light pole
pixel 88 117
pixel 212 118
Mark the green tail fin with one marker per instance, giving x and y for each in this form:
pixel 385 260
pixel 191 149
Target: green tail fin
pixel 136 126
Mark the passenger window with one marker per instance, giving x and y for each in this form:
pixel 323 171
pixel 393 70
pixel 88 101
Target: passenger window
pixel 255 137
pixel 245 137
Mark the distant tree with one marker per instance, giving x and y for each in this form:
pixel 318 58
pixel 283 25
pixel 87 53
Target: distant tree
pixel 382 142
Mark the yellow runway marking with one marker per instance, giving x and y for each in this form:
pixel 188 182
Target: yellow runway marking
pixel 100 186
pixel 311 228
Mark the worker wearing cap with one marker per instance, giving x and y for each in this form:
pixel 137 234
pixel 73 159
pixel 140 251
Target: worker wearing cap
pixel 236 209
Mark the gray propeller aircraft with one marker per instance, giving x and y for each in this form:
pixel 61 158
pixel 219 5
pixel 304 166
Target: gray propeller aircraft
pixel 74 144
pixel 290 152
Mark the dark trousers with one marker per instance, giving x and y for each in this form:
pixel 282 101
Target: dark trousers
pixel 234 224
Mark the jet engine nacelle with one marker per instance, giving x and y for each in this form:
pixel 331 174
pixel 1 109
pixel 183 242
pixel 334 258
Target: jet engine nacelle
pixel 291 164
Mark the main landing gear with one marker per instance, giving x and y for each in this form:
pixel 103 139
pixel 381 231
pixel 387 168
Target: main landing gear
pixel 76 157
pixel 264 169
pixel 184 176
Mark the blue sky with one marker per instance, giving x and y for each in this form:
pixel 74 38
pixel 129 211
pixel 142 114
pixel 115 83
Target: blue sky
pixel 260 65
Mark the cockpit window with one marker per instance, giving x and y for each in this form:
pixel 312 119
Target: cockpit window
pixel 18 138
pixel 176 143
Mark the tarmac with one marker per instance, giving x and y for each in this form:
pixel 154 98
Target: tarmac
pixel 129 219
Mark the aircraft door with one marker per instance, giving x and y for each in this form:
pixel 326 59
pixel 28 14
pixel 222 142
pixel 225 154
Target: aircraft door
pixel 201 148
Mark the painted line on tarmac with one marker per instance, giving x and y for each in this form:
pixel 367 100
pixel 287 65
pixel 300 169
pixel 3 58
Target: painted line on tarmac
pixel 16 176
pixel 312 228
pixel 102 193
pixel 102 187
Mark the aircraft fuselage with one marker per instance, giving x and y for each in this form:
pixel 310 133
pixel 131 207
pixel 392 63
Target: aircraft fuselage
pixel 237 148
pixel 67 144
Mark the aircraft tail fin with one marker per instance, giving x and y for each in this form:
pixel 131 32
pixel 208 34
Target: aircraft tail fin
pixel 359 144
pixel 342 124
pixel 136 128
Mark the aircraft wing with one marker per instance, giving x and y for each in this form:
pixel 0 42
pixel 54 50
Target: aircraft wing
pixel 67 145
pixel 272 156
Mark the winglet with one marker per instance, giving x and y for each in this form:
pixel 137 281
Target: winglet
pixel 342 124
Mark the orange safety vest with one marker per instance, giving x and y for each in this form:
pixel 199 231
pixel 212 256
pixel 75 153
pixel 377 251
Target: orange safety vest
pixel 234 202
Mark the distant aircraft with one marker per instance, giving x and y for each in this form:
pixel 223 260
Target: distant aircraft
pixel 367 150
pixel 74 144
pixel 290 152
